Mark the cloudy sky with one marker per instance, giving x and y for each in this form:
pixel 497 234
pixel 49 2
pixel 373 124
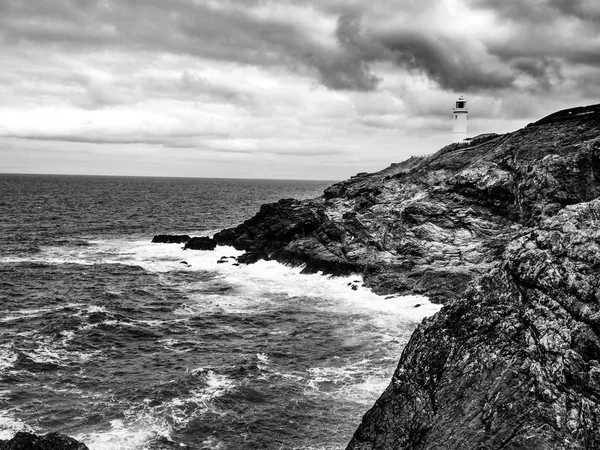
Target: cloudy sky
pixel 305 89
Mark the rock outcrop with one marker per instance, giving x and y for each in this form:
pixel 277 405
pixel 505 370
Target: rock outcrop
pixel 50 441
pixel 170 239
pixel 200 243
pixel 432 224
pixel 514 363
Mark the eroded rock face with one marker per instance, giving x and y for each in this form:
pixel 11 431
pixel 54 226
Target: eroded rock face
pixel 512 364
pixel 430 225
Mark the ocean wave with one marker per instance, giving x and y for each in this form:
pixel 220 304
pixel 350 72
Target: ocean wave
pixel 31 313
pixel 361 381
pixel 121 436
pixel 43 353
pixel 155 420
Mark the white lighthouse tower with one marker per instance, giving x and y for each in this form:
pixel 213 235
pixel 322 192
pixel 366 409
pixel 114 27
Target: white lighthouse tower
pixel 459 131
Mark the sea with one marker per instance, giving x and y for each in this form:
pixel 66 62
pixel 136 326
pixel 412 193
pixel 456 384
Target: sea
pixel 125 344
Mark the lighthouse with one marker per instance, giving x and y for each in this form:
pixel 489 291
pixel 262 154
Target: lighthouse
pixel 459 131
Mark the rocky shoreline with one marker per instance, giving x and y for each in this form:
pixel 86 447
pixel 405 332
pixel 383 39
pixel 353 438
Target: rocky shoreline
pixel 503 230
pixel 430 225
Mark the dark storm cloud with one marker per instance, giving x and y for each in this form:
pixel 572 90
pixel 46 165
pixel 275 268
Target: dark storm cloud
pixel 546 71
pixel 230 31
pixel 438 58
pixel 566 30
pixel 349 69
pixel 535 43
pixel 223 33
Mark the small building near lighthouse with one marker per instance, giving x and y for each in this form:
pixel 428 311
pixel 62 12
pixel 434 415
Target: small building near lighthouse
pixel 459 130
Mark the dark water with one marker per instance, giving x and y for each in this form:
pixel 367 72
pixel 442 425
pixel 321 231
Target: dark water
pixel 117 342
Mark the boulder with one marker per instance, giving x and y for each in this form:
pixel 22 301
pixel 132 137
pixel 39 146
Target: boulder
pixel 50 441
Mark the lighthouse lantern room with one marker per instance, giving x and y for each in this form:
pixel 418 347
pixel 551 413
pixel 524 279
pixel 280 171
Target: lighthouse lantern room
pixel 459 131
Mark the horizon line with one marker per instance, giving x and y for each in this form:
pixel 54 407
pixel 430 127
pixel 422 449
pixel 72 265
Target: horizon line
pixel 162 176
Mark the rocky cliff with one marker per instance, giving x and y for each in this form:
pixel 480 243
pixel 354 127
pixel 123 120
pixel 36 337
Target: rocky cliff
pixel 430 225
pixel 505 231
pixel 514 363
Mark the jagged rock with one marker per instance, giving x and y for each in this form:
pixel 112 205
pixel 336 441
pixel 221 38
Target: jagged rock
pixel 201 243
pixel 251 258
pixel 50 441
pixel 170 239
pixel 432 224
pixel 512 364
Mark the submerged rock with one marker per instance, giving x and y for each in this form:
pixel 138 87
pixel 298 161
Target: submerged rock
pixel 50 441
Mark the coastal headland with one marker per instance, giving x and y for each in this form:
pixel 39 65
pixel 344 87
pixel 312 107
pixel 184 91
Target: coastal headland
pixel 504 230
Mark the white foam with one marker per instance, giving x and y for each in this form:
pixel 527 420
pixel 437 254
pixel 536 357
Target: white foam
pixel 142 423
pixel 169 344
pixel 96 309
pixel 8 357
pixel 358 381
pixel 121 437
pixel 199 401
pixel 36 312
pixel 50 351
pixel 263 358
pixel 27 313
pixel 9 425
pixel 213 443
